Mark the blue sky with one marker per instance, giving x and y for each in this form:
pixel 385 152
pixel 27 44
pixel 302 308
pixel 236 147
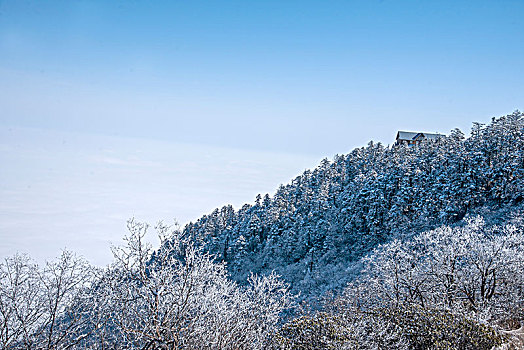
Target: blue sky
pixel 300 76
pixel 273 86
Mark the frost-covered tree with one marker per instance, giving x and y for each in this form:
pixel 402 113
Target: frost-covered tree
pixel 475 269
pixel 21 308
pixel 41 308
pixel 179 297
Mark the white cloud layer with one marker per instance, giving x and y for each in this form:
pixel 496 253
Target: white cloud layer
pixel 76 191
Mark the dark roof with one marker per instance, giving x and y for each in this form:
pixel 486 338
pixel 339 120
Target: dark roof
pixel 410 135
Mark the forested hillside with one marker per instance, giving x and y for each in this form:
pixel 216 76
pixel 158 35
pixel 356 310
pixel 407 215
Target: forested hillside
pixel 314 229
pixel 390 248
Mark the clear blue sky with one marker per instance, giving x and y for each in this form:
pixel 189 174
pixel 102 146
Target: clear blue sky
pixel 165 110
pixel 301 76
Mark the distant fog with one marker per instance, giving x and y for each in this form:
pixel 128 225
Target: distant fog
pixel 76 191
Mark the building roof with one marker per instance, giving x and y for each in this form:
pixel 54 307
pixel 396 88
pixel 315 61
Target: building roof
pixel 410 135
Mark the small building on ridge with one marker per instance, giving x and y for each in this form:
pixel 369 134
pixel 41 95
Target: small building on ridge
pixel 412 138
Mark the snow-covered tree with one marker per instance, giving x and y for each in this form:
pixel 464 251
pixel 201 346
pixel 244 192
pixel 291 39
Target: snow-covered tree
pixel 475 269
pixel 43 308
pixel 179 297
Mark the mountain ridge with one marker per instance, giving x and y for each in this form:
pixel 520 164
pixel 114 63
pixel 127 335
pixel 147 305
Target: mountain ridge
pixel 315 227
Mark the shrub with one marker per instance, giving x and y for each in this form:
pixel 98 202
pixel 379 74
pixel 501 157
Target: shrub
pixel 424 328
pixel 320 331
